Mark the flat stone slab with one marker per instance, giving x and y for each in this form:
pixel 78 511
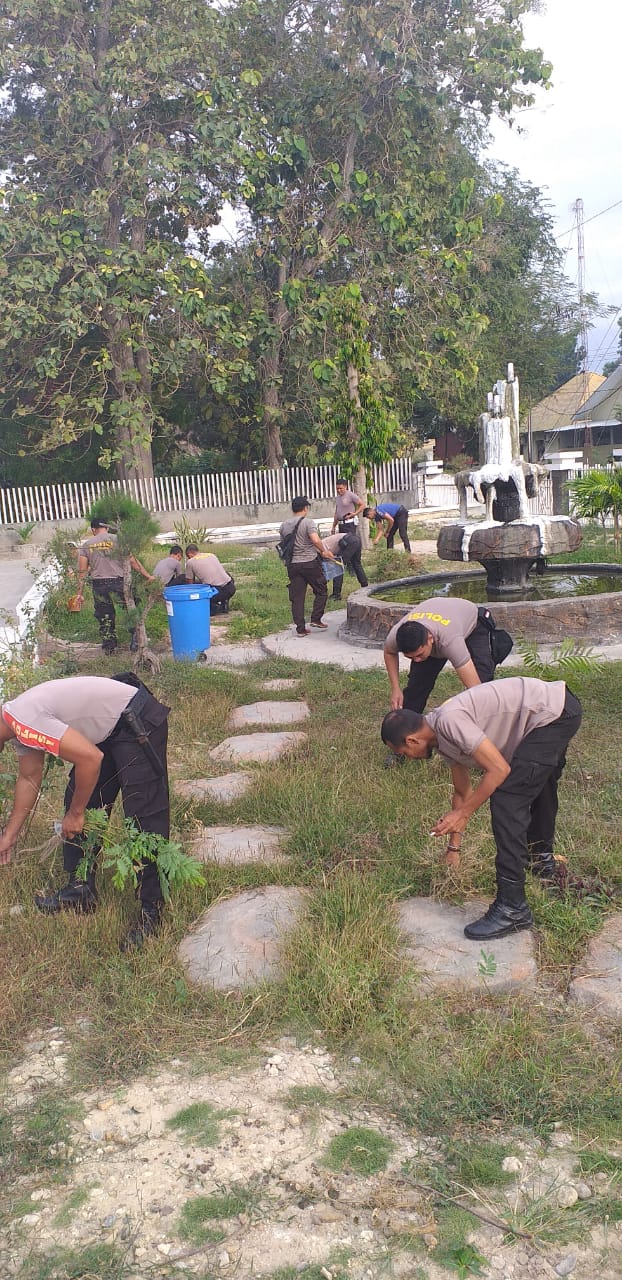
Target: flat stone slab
pixel 435 941
pixel 597 981
pixel 235 845
pixel 224 790
pixel 279 686
pixel 257 748
pixel 238 943
pixel 241 654
pixel 268 713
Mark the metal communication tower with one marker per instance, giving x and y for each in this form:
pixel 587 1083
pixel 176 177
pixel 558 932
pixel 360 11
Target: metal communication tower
pixel 583 330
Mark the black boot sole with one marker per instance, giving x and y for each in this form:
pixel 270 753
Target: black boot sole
pixel 54 906
pixel 501 932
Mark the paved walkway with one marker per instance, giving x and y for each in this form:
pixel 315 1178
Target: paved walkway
pixel 18 595
pixel 328 648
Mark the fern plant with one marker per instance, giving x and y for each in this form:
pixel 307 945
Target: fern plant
pixel 573 657
pixel 125 857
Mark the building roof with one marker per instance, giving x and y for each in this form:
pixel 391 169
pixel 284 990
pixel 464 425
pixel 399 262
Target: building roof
pixel 604 400
pixel 561 407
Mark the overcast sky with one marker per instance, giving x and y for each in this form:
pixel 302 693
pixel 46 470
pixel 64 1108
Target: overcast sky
pixel 571 145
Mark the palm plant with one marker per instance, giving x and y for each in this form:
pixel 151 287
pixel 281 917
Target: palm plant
pixel 597 495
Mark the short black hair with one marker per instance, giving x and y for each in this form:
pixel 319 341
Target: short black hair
pixel 191 547
pixel 98 523
pixel 369 513
pixel 299 503
pixel 175 550
pixel 410 636
pixel 341 481
pixel 397 725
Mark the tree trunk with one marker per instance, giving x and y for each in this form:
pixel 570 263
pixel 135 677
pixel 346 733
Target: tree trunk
pixel 360 477
pixel 144 658
pixel 272 409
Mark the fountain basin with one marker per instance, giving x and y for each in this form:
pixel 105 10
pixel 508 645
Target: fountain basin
pixel 589 618
pixel 508 551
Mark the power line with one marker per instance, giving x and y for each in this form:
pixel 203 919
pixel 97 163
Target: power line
pixel 586 220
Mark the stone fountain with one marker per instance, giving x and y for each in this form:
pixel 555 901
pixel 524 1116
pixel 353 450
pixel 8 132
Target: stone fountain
pixel 561 601
pixel 509 542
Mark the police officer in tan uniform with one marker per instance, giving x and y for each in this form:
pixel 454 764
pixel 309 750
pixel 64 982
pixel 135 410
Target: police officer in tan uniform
pixel 114 734
pixel 204 567
pixel 515 733
pixel 169 570
pixel 436 631
pixel 100 558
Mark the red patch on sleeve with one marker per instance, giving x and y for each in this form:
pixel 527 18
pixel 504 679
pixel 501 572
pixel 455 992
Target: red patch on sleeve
pixel 31 737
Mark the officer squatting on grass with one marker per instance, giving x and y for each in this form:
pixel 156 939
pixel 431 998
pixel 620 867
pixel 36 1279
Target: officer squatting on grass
pixel 516 731
pixel 114 734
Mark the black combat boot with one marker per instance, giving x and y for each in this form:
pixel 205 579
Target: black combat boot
pixel 77 895
pixel 507 914
pixel 543 865
pixel 148 923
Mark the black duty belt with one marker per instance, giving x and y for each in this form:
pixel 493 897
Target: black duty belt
pixel 131 720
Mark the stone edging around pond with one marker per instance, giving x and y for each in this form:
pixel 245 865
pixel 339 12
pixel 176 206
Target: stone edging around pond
pixel 592 619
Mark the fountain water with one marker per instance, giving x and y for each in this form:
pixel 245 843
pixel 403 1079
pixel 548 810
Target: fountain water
pixel 509 542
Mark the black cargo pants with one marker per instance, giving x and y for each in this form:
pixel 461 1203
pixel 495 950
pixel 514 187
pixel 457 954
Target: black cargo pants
pixel 524 808
pixel 126 768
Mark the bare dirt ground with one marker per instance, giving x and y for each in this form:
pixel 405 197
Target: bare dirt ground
pixel 130 1177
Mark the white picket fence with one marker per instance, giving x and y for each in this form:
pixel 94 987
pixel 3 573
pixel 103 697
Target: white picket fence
pixel 41 503
pixel 194 493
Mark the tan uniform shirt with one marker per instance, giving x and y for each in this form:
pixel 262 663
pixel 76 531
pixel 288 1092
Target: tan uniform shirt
pixel 449 623
pixel 168 569
pixel 304 550
pixel 207 569
pixel 90 704
pixel 102 553
pixel 332 542
pixel 346 504
pixel 504 711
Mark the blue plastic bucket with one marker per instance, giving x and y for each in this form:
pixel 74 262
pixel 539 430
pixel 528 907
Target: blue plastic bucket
pixel 188 610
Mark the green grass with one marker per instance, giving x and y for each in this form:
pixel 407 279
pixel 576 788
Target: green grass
pixel 71 1206
pixel 198 1123
pixel 97 1262
pixel 308 1095
pixel 359 1150
pixel 218 1207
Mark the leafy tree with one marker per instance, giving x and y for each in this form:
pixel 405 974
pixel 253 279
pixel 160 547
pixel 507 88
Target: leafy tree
pixel 359 108
pixel 117 122
pixel 359 424
pixel 530 307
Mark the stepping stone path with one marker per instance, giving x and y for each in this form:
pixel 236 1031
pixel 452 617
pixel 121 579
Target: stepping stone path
pixel 434 939
pixel 597 981
pixel 234 655
pixel 279 686
pixel 224 790
pixel 238 943
pixel 257 713
pixel 235 845
pixel 257 748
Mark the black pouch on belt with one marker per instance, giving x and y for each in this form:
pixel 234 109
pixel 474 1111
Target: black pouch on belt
pixel 133 721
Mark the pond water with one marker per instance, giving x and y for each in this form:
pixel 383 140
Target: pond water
pixel 551 585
